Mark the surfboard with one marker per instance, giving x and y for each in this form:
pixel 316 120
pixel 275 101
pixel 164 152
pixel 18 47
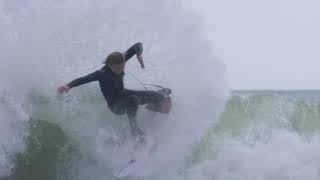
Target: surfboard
pixel 151 120
pixel 140 154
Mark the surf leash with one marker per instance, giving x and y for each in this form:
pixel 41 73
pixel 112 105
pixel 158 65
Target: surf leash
pixel 145 84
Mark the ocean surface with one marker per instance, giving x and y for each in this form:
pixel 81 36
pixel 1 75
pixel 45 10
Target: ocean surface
pixel 212 133
pixel 258 135
pixel 267 134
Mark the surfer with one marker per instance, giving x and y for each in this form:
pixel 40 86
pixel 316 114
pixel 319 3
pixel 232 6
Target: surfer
pixel 119 99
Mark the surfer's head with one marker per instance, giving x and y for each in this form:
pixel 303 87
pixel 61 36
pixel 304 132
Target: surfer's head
pixel 116 62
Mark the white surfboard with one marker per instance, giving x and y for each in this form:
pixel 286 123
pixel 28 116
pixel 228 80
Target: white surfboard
pixel 140 153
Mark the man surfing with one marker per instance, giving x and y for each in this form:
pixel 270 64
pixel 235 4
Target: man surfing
pixel 119 99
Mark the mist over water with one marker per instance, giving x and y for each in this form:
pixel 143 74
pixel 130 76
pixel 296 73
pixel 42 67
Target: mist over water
pixel 47 136
pixel 12 127
pixel 46 44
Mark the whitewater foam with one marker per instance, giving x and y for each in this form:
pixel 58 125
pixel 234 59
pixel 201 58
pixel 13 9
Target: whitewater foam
pixel 55 42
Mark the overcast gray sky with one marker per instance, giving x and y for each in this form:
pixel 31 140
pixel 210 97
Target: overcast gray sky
pixel 266 44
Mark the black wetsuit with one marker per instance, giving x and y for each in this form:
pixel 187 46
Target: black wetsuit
pixel 119 99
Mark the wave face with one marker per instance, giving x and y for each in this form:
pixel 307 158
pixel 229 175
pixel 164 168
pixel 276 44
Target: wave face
pixel 46 44
pixel 262 135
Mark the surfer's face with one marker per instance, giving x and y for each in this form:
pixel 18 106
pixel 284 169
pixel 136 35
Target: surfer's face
pixel 118 68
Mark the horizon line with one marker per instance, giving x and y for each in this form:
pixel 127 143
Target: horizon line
pixel 274 89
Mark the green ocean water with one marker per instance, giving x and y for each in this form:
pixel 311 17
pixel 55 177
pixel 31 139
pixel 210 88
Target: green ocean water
pixel 53 152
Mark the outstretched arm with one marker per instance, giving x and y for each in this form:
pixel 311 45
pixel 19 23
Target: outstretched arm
pixel 135 49
pixel 79 81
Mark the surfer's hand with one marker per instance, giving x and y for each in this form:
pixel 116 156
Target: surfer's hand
pixel 141 61
pixel 63 89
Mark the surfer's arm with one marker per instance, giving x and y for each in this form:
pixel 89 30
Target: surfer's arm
pixel 95 76
pixel 136 49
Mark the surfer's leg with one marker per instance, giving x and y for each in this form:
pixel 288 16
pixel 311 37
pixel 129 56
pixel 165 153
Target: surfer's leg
pixel 128 104
pixel 132 104
pixel 146 97
pixel 119 107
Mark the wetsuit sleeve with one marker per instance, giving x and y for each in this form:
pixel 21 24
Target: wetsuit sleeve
pixel 135 49
pixel 85 79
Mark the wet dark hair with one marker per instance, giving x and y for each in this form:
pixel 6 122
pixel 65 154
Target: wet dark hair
pixel 114 58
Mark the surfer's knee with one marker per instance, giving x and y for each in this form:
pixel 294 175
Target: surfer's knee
pixel 156 97
pixel 118 110
pixel 132 103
